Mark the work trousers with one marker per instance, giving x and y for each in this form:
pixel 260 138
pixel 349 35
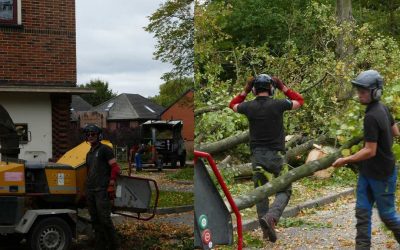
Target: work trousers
pixel 99 207
pixel 266 161
pixel 382 192
pixel 138 161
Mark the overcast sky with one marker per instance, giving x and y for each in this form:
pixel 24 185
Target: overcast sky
pixel 113 46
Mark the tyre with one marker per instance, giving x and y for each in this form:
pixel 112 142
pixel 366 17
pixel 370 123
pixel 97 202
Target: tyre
pixel 182 159
pixel 51 233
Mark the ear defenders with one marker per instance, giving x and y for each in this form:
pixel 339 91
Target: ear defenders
pixel 376 94
pixel 271 90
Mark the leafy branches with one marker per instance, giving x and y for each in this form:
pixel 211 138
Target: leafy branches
pixel 173 26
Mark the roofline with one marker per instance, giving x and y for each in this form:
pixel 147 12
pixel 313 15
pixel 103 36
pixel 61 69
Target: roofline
pixel 180 97
pixel 46 89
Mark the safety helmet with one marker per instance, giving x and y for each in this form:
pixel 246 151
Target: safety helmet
pixel 94 129
pixel 264 82
pixel 372 80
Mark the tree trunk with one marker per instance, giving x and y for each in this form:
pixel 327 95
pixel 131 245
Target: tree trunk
pixel 281 182
pixel 224 144
pixel 293 155
pixel 343 14
pixel 296 139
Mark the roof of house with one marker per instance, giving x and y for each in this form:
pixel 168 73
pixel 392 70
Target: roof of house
pixel 129 107
pixel 177 100
pixel 79 104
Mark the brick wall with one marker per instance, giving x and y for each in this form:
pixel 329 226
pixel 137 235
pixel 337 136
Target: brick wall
pixel 42 51
pixel 183 110
pixel 60 118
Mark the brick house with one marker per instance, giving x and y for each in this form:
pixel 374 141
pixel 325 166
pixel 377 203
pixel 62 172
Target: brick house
pixel 38 72
pixel 121 116
pixel 182 109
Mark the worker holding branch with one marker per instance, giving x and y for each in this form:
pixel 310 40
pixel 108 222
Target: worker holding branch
pixel 267 140
pixel 378 173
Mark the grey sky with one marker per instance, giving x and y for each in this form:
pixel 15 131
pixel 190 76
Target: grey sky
pixel 113 46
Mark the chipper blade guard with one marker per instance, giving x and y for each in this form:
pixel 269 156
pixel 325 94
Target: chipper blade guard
pixel 135 196
pixel 213 221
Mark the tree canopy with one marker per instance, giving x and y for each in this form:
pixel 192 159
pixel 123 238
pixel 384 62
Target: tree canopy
pixel 103 93
pixel 171 90
pixel 296 41
pixel 173 27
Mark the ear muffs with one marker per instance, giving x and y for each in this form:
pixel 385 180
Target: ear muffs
pixel 376 94
pixel 272 91
pixel 253 90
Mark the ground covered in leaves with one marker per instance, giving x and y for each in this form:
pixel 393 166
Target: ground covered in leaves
pixel 328 227
pixel 148 235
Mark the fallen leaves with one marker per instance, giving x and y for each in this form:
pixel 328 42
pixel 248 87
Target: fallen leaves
pixel 155 236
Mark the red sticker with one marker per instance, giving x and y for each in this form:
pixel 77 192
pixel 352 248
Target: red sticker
pixel 206 236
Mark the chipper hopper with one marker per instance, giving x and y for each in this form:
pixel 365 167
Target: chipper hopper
pixel 39 200
pixel 213 221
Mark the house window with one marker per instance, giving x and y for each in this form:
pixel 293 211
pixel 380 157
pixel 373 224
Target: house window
pixel 10 12
pixel 23 133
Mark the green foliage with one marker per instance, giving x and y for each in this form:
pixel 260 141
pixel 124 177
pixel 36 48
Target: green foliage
pixel 103 93
pixel 304 58
pixel 174 199
pixel 182 174
pixel 172 90
pixel 250 241
pixel 341 177
pixel 172 26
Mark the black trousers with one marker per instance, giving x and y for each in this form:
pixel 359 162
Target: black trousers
pixel 266 161
pixel 99 207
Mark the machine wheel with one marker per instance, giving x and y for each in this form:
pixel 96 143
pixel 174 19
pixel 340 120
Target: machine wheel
pixel 51 233
pixel 11 239
pixel 182 159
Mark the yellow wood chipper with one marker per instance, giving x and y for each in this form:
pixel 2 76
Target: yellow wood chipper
pixel 39 200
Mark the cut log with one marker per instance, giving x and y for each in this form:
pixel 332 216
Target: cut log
pixel 224 144
pixel 319 153
pixel 281 182
pixel 242 170
pixel 293 141
pixel 293 156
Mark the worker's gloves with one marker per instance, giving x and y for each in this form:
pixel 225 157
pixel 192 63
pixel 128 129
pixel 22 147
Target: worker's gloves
pixel 249 84
pixel 111 190
pixel 278 82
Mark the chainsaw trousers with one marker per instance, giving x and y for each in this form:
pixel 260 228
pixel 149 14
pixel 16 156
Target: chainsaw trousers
pixel 99 207
pixel 381 192
pixel 267 163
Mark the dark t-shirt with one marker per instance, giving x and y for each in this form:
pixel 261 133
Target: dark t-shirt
pixel 378 124
pixel 99 171
pixel 265 117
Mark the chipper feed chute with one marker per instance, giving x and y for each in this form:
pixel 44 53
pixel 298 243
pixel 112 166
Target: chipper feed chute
pixel 213 221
